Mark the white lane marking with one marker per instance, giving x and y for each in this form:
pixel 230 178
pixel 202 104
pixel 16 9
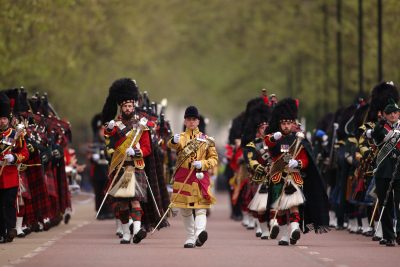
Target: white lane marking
pixel 44 246
pixel 30 255
pixel 40 249
pixel 326 259
pixel 17 261
pixel 314 253
pixel 302 247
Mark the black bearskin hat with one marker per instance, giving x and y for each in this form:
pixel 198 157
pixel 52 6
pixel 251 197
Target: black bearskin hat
pixel 325 122
pixel 257 112
pixel 359 119
pixel 12 95
pixel 5 109
pixel 191 112
pixel 96 123
pixel 121 91
pixel 347 114
pixel 286 109
pixel 23 105
pixel 34 102
pixel 380 96
pixel 44 105
pixel 202 124
pixel 235 132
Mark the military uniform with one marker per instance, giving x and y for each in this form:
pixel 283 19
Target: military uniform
pixel 129 186
pixel 385 133
pixel 13 151
pixel 192 189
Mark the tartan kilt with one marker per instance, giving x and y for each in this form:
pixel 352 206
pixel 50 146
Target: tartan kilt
pixel 249 191
pixel 29 216
pixel 36 183
pixel 154 171
pixel 23 184
pixel 51 182
pixel 63 190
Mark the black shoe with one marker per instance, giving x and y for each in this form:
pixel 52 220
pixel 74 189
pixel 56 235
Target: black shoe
pixel 383 242
pixel 274 232
pixel 27 231
pixel 139 236
pixel 12 233
pixel 295 235
pixel 123 241
pixel 46 226
pixel 67 217
pixel 265 237
pixel 201 239
pixel 340 228
pixel 283 243
pixel 21 235
pixel 258 234
pixel 398 239
pixel 369 233
pixel 376 238
pixel 120 235
pixel 390 243
pixel 293 242
pixel 189 245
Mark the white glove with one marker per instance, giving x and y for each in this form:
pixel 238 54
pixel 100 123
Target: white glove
pixel 277 136
pixel 199 175
pixel 130 152
pixel 368 133
pixel 197 164
pixel 95 157
pixel 176 138
pixel 9 158
pixel 293 164
pixel 111 125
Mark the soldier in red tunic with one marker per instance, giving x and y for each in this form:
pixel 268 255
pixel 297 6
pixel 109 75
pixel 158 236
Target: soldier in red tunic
pixel 13 151
pixel 130 186
pixel 291 162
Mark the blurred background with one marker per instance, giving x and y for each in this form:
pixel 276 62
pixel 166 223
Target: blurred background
pixel 216 54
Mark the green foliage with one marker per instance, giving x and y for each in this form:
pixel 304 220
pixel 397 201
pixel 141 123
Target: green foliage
pixel 214 53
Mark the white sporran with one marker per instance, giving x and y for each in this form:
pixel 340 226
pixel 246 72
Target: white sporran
pixel 259 201
pixel 126 185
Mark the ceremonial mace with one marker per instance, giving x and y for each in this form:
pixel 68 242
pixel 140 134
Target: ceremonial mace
pixel 142 123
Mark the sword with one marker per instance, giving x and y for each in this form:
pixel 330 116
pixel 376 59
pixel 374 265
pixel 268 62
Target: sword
pixel 152 196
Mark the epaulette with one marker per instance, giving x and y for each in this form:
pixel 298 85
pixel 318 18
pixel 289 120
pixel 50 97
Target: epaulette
pixel 251 144
pixel 210 140
pixel 352 140
pixel 340 142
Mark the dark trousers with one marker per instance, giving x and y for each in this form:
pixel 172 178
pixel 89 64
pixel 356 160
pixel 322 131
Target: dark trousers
pixel 392 205
pixel 8 211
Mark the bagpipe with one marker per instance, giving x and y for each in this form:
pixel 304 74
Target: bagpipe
pixel 364 169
